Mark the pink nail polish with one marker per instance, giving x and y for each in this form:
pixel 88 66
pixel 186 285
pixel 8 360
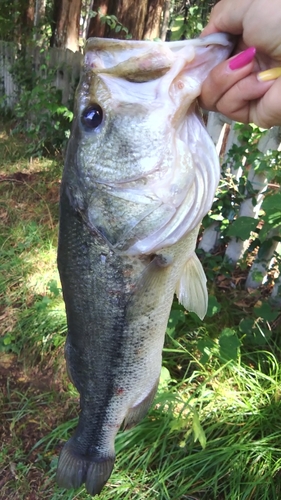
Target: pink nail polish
pixel 242 59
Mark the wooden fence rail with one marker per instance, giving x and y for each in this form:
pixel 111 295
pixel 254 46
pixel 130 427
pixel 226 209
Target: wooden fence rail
pixel 66 65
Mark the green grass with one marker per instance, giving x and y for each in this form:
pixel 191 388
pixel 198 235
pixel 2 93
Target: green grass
pixel 214 432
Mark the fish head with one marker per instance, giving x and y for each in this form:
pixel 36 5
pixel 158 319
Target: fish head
pixel 136 136
pixel 134 94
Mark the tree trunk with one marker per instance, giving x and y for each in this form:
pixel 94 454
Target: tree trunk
pixel 165 21
pixel 28 15
pixel 96 28
pixel 141 19
pixel 66 21
pixel 131 15
pixel 25 21
pixel 39 12
pixel 153 19
pixel 85 17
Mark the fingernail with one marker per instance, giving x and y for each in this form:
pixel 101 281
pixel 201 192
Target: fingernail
pixel 269 74
pixel 242 59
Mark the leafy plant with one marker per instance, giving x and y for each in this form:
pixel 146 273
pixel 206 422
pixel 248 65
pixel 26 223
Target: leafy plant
pixel 41 117
pixel 187 19
pixel 39 113
pixel 112 22
pixel 262 232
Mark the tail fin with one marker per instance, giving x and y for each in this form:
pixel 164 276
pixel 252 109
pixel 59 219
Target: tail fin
pixel 75 469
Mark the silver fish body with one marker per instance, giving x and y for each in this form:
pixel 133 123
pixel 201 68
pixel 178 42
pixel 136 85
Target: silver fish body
pixel 140 174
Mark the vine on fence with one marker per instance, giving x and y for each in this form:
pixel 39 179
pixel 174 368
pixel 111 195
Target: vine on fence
pixel 246 207
pixel 40 114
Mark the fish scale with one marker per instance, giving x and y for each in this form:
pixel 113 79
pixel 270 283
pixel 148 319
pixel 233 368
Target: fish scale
pixel 136 183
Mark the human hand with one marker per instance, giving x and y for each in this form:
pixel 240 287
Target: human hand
pixel 236 87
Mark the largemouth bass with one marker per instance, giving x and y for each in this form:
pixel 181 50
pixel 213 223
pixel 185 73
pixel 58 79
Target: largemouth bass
pixel 140 174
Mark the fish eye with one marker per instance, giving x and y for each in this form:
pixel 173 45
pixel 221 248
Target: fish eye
pixel 91 117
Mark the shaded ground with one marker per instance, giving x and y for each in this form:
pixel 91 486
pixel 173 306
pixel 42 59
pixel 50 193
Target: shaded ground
pixel 33 399
pixel 33 402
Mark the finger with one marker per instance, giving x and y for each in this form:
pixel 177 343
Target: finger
pixel 220 80
pixel 240 101
pixel 227 16
pixel 258 21
pixel 267 111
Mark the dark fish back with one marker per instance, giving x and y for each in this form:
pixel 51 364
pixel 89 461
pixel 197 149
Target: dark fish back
pixel 95 296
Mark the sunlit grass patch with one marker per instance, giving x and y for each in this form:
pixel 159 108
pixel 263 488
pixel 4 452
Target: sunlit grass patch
pixel 12 151
pixel 32 311
pixel 238 412
pixel 27 413
pixel 14 155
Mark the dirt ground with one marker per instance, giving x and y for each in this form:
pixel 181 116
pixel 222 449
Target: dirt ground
pixel 33 403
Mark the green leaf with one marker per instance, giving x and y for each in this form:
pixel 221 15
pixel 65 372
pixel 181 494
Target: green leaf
pixel 242 227
pixel 110 21
pixel 213 306
pixel 246 325
pixel 57 340
pixel 216 217
pixel 259 336
pixel 266 312
pixel 206 346
pixel 42 304
pixel 53 287
pixel 177 424
pixel 199 434
pixel 165 378
pixel 177 317
pixel 272 203
pixel 7 340
pixel 264 248
pixel 257 276
pixel 229 344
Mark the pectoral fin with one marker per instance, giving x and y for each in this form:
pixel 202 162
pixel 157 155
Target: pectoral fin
pixel 191 290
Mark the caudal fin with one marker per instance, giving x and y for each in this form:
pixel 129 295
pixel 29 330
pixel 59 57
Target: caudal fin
pixel 74 470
